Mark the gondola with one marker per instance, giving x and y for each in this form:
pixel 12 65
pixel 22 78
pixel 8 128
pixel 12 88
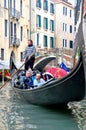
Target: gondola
pixel 58 91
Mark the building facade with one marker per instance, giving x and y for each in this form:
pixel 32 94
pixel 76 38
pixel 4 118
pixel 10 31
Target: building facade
pixel 15 28
pixel 77 10
pixel 42 23
pixel 77 13
pixel 49 23
pixel 64 24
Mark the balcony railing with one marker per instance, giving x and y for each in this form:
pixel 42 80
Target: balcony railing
pixel 14 13
pixel 14 41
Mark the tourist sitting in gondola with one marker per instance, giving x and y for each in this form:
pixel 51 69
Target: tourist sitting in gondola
pixel 56 72
pixel 46 76
pixel 38 81
pixel 27 80
pixel 24 81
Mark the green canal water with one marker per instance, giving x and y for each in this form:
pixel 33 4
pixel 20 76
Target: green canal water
pixel 16 114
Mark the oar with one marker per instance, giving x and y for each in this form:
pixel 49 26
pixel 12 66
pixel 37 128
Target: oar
pixel 12 75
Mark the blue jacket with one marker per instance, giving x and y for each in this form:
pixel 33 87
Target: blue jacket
pixel 28 81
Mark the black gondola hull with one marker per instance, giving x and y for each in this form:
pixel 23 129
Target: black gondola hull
pixel 61 91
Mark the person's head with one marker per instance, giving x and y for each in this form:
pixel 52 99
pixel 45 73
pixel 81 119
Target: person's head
pixel 28 73
pixel 47 67
pixel 30 42
pixel 38 76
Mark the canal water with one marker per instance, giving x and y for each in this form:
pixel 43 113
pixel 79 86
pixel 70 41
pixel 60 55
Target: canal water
pixel 16 114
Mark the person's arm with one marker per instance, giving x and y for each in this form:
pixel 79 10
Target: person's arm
pixel 35 83
pixel 42 81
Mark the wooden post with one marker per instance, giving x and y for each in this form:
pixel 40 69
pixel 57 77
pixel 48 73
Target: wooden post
pixel 3 75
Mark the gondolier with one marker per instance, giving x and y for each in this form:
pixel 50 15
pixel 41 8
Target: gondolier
pixel 29 55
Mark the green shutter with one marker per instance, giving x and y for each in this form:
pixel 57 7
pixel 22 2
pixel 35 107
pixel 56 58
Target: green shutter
pixel 46 23
pixel 52 25
pixel 39 21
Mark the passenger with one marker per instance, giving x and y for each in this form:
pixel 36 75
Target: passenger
pixel 57 72
pixel 47 76
pixel 38 81
pixel 47 67
pixel 27 80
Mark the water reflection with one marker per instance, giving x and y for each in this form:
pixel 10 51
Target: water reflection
pixel 79 112
pixel 19 115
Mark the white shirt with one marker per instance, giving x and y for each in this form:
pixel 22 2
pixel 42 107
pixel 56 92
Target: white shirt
pixel 39 82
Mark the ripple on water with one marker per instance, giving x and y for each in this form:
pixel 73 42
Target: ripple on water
pixel 79 112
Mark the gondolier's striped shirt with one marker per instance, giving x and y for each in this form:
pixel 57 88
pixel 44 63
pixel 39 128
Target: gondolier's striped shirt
pixel 29 51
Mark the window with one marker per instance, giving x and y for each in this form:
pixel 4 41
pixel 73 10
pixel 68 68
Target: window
pixel 64 43
pixel 45 23
pixel 21 7
pixel 2 54
pixel 6 3
pixel 51 8
pixel 38 21
pixel 65 0
pixel 70 28
pixel 38 3
pixel 45 5
pixel 71 44
pixel 65 11
pixel 5 28
pixel 14 33
pixel 11 30
pixel 21 33
pixel 12 5
pixel 52 25
pixel 13 11
pixel 78 2
pixel 70 13
pixel 21 54
pixel 28 32
pixel 51 42
pixel 64 27
pixel 37 39
pixel 45 41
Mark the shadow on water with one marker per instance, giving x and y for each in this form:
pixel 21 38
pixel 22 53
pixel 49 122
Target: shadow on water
pixel 63 109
